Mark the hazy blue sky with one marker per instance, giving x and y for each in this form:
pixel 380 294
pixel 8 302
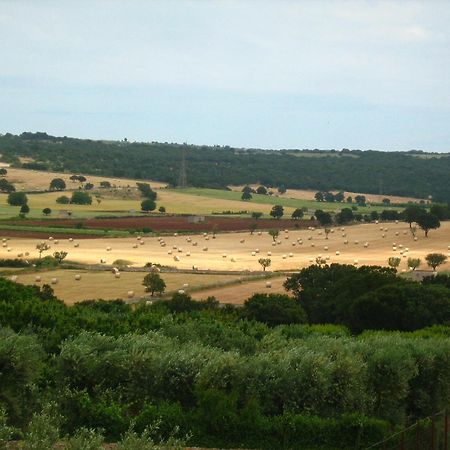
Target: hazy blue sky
pixel 272 74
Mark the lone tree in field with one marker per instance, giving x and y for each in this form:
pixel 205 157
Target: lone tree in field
pixel 42 247
pixel 265 262
pixel 17 199
pixel 274 233
pixel 413 263
pixel 411 213
pixel 24 209
pixel 297 214
pixel 428 222
pixel 63 200
pixel 261 190
pixel 46 211
pixel 253 226
pixel 246 196
pixel 57 184
pixel 154 283
pixel 394 262
pixel 3 172
pixel 60 256
pixel 148 205
pixel 277 212
pixel 435 259
pixel 256 215
pixel 81 198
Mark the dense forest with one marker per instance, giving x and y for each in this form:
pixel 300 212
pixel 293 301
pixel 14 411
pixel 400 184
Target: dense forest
pixel 276 373
pixel 392 173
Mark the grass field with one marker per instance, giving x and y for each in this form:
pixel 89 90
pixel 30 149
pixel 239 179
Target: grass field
pixel 289 203
pixel 104 285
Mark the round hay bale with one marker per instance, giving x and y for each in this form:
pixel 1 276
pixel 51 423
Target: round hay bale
pixel 224 255
pixel 37 279
pixel 194 244
pixel 344 234
pixel 291 255
pixel 130 294
pixel 320 233
pixel 205 249
pixel 70 239
pixel 269 253
pixel 176 258
pixel 14 278
pixel 242 241
pixel 4 240
pixel 311 260
pixel 233 260
pixel 180 291
pixel 312 244
pixel 376 221
pixel 180 250
pixel 346 242
pixel 326 248
pixel 205 234
pixel 76 245
pixel 78 277
pixel 381 228
pixel 4 244
pixel 259 233
pixel 253 253
pixel 141 242
pixel 256 250
pixel 114 270
pixel 140 237
pixel 284 256
pixel 327 257
pixel 163 244
pixel 397 233
pixel 356 242
pixel 174 247
pixel 383 235
pixel 54 281
pixel 185 285
pixel 366 244
pixel 169 252
pixel 268 284
pixel 404 232
pixel 385 229
pixel 8 249
pixel 175 234
pixel 294 244
pixel 396 221
pixel 207 238
pixel 416 238
pixel 135 246
pixel 27 254
pixel 103 261
pixel 188 239
pixel 342 228
pixel 355 262
pixel 274 244
pixel 56 242
pixel 50 238
pixel 188 253
pixel 117 275
pixel 278 242
pixel 338 252
pixel 309 238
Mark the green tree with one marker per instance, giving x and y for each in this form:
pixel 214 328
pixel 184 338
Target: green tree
pixel 319 196
pixel 329 197
pixel 246 196
pixel 413 263
pixel 394 262
pixel 6 186
pixel 63 200
pixel 81 198
pixel 386 201
pixel 17 199
pixel 147 191
pixel 41 248
pixel 46 211
pixel 274 233
pixel 428 222
pixel 339 197
pixel 162 209
pixel 324 218
pixel 154 283
pixel 85 439
pixel 297 214
pixel 3 171
pixel 256 215
pixel 265 262
pixel 273 309
pixel 57 184
pixel 43 430
pixel 148 205
pixel 345 216
pixel 24 209
pixel 60 256
pixel 277 212
pixel 281 189
pixel 261 190
pixel 253 226
pixel 360 200
pixel 434 260
pixel 412 213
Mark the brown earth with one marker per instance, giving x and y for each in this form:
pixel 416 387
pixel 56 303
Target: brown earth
pixel 171 223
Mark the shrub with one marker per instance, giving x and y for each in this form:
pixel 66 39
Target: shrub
pixel 17 199
pixel 81 198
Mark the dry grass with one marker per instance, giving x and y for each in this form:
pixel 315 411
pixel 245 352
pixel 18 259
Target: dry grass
pixel 103 284
pixel 238 293
pixel 379 250
pixel 303 194
pixel 30 180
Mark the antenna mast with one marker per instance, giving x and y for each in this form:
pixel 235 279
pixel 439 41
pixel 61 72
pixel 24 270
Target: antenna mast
pixel 182 182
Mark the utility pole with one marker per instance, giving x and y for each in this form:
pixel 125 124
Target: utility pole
pixel 182 182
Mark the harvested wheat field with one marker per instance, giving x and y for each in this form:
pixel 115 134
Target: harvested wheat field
pixel 105 285
pixel 241 251
pixel 236 294
pixel 37 180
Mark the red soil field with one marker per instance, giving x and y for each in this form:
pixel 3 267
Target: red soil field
pixel 173 223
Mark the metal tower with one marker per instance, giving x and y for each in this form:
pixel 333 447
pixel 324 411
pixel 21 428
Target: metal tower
pixel 182 182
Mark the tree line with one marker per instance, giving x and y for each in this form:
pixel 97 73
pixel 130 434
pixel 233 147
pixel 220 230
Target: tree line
pixel 373 172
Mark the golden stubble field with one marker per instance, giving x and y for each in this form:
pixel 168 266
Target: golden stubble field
pixel 241 251
pixel 105 285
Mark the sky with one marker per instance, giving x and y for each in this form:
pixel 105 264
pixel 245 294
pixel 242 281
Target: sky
pixel 269 74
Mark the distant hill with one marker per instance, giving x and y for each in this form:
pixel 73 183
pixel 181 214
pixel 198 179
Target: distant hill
pixel 414 173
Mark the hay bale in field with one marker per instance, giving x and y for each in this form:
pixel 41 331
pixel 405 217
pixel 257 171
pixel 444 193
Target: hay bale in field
pixel 102 261
pixel 70 239
pixel 268 284
pixel 366 244
pixel 76 245
pixel 37 279
pixel 291 255
pixel 194 244
pixel 169 252
pixel 130 294
pixel 175 234
pixel 259 233
pixel 338 252
pixel 269 253
pixel 180 291
pixel 326 248
pixel 14 278
pixel 188 253
pixel 115 270
pixel 176 258
pixel 135 246
pixel 284 256
pixel 50 238
pixel 27 254
pixel 180 250
pixel 355 262
pixel 8 249
pixel 294 244
pixel 312 244
pixel 54 281
pixel 4 244
pixel 117 275
pixel 207 238
pixel 19 255
pixel 205 249
pixel 274 244
pixel 174 247
pixel 346 242
pixel 224 255
pixel 233 260
pixel 78 277
pixel 142 242
pixel 356 242
pixel 253 253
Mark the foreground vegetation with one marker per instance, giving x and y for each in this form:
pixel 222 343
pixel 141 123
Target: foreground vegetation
pixel 272 374
pixel 404 174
